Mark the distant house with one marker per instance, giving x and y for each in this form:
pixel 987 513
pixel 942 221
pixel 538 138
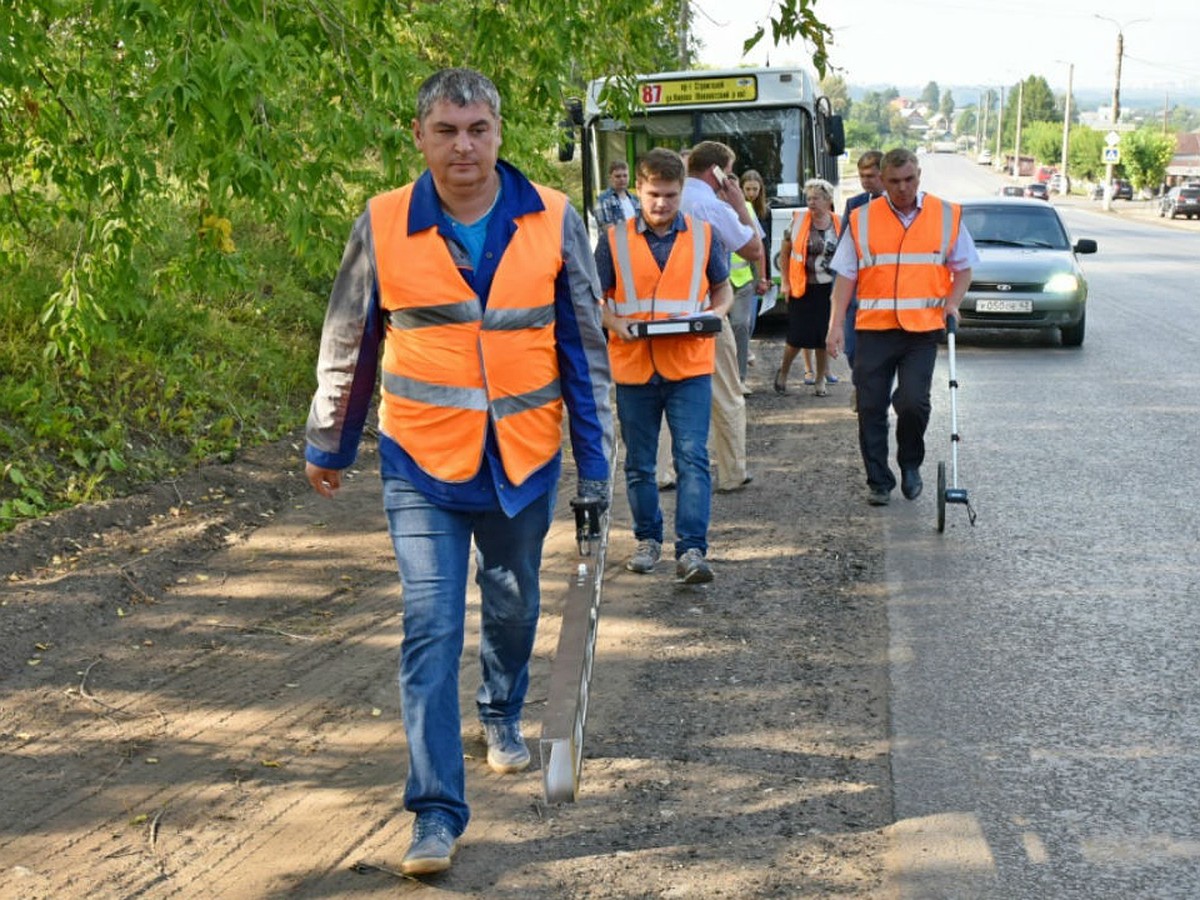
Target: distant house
pixel 1185 164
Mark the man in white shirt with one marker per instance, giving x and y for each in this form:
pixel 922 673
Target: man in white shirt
pixel 718 200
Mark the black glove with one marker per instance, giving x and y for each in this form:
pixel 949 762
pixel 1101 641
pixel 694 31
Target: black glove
pixel 595 488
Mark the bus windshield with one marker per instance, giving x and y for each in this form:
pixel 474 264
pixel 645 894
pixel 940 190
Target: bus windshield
pixel 766 139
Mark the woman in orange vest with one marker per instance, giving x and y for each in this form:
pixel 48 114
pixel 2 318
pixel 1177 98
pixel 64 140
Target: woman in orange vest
pixel 806 281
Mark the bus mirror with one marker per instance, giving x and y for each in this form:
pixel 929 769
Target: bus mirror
pixel 575 110
pixel 835 136
pixel 566 143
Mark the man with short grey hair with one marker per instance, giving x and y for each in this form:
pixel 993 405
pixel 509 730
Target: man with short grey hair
pixel 471 297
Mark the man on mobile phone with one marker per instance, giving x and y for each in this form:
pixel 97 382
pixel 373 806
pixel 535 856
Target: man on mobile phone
pixel 718 199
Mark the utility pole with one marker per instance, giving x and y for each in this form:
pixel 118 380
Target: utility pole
pixel 1017 150
pixel 1067 126
pixel 999 125
pixel 987 105
pixel 1116 100
pixel 684 57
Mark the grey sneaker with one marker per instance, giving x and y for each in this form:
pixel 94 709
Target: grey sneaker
pixel 644 557
pixel 432 846
pixel 692 569
pixel 507 752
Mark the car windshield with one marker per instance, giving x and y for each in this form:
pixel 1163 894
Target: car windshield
pixel 1015 226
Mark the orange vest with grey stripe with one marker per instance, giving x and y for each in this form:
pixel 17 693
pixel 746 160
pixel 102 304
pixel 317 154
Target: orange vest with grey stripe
pixel 903 280
pixel 449 364
pixel 643 291
pixel 797 270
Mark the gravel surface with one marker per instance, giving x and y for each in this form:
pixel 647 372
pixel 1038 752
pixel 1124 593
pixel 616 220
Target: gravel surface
pixel 197 695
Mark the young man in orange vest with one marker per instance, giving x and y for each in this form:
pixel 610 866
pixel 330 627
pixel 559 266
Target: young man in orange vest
pixel 660 265
pixel 910 258
pixel 474 292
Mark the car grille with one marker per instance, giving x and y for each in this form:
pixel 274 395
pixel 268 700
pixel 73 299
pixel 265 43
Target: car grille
pixel 1010 287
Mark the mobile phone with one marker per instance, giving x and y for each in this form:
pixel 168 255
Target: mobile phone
pixel 719 174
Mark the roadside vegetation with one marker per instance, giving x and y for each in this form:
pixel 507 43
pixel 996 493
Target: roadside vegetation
pixel 876 121
pixel 177 181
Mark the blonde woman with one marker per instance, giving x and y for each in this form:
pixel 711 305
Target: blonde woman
pixel 806 281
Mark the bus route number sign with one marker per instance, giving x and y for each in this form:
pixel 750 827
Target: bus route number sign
pixel 686 92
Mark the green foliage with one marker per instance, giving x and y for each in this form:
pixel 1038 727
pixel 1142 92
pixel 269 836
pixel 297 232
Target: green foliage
pixel 1043 141
pixel 175 178
pixel 1036 102
pixel 1085 152
pixel 216 364
pixel 1145 155
pixel 796 20
pixel 931 95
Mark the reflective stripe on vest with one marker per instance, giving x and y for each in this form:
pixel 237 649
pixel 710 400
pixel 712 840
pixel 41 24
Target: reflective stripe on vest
pixel 654 306
pixel 797 270
pixel 902 276
pixel 449 365
pixel 683 283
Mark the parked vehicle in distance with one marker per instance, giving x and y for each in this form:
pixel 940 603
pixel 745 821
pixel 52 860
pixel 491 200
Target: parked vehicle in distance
pixel 944 144
pixel 1060 184
pixel 1029 274
pixel 1011 190
pixel 985 157
pixel 1121 190
pixel 1044 174
pixel 1181 200
pixel 1038 190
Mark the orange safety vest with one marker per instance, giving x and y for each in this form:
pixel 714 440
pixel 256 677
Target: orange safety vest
pixel 643 291
pixel 797 270
pixel 449 364
pixel 903 280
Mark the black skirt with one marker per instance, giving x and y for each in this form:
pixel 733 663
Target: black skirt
pixel 808 317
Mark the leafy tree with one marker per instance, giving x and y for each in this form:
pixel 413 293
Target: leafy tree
pixel 967 121
pixel 946 107
pixel 1036 101
pixel 1145 155
pixel 1043 141
pixel 286 113
pixel 835 88
pixel 930 96
pixel 1085 152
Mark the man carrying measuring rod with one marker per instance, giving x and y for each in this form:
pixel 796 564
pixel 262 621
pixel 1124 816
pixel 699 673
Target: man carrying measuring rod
pixel 910 259
pixel 474 291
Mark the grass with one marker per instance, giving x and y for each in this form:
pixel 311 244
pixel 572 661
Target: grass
pixel 203 366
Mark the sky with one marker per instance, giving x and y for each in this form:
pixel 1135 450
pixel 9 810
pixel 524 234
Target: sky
pixel 982 43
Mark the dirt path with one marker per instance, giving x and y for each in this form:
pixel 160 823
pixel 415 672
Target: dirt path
pixel 198 699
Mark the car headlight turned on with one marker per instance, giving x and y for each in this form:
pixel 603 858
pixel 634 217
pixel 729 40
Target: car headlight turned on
pixel 1062 283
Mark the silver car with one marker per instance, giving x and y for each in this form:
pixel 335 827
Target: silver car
pixel 1029 274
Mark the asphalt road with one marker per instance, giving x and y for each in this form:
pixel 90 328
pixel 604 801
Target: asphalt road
pixel 1046 662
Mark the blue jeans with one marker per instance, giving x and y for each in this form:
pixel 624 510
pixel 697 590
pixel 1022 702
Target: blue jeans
pixel 432 548
pixel 688 406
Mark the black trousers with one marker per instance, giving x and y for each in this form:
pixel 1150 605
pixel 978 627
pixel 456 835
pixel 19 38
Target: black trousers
pixel 905 359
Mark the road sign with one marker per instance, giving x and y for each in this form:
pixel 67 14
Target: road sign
pixel 1112 154
pixel 1112 139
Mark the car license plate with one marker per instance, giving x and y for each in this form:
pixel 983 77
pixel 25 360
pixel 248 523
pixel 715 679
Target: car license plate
pixel 1004 306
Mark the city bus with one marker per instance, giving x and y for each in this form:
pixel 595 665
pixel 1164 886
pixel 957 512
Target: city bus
pixel 773 119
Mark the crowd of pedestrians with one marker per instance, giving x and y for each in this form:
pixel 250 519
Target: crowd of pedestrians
pixel 473 298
